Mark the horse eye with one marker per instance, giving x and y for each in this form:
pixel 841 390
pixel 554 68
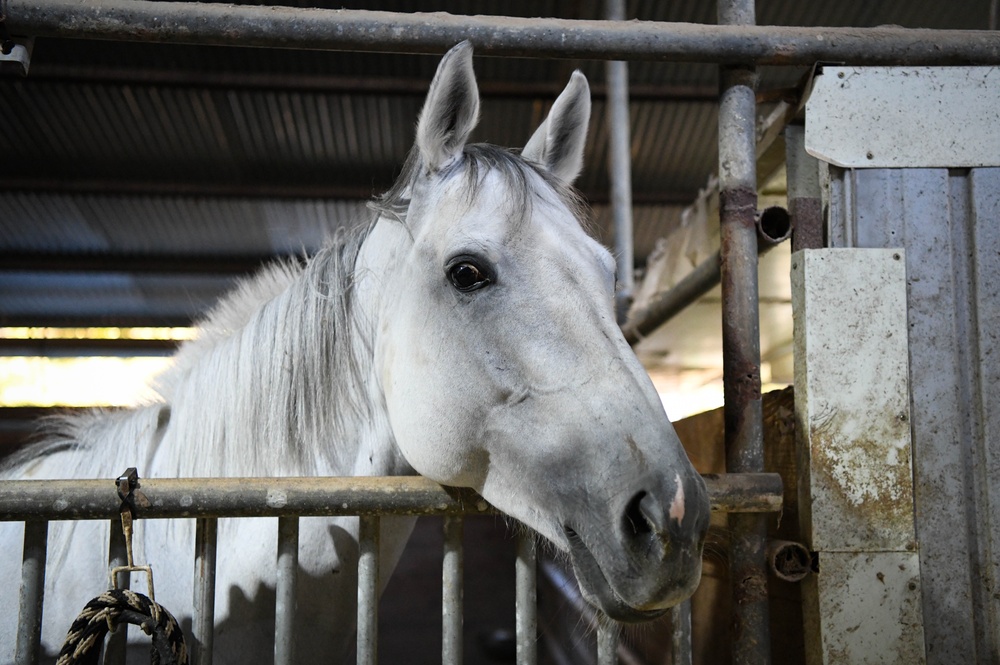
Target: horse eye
pixel 467 276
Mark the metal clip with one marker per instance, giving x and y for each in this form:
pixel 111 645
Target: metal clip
pixel 127 485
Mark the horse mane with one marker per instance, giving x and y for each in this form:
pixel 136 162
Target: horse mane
pixel 274 380
pixel 267 387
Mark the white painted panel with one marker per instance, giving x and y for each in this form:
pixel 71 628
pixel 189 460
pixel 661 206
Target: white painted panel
pixel 853 399
pixel 852 411
pixel 869 608
pixel 888 117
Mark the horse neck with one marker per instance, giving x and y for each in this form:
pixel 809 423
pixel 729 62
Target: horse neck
pixel 291 391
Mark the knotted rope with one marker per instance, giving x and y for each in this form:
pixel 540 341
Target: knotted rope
pixel 106 612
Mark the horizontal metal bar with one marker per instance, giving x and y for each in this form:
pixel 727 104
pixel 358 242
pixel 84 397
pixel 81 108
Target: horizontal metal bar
pixel 257 189
pixel 276 497
pixel 98 320
pixel 146 264
pixel 237 497
pixel 744 492
pixel 87 347
pixel 361 30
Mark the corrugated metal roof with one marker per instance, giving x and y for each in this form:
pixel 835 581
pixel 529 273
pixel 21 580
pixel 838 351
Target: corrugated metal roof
pixel 129 150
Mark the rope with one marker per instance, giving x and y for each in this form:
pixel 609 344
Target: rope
pixel 106 612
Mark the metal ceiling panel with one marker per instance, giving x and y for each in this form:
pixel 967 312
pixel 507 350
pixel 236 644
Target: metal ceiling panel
pixel 125 150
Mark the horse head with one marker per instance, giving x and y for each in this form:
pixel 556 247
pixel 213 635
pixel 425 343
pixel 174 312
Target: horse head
pixel 503 368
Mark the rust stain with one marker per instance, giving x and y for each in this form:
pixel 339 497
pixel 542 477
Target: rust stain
pixel 868 479
pixel 738 204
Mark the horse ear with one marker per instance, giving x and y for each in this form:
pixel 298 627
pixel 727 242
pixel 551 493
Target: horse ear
pixel 558 142
pixel 451 110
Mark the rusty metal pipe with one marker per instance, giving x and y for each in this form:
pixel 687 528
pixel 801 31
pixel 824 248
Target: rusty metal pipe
pixel 744 492
pixel 706 276
pixel 744 430
pixel 788 560
pixel 392 32
pixel 774 226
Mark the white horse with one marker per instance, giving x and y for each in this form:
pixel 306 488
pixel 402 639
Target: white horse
pixel 467 334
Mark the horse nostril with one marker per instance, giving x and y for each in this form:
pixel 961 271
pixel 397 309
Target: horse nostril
pixel 635 517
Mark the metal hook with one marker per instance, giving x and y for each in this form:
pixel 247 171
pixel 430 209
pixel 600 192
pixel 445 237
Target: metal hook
pixel 127 486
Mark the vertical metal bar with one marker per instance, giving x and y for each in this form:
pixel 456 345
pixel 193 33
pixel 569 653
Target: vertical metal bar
pixel 620 168
pixel 451 591
pixel 680 641
pixel 286 592
pixel 114 651
pixel 29 623
pixel 203 621
pixel 526 582
pixel 741 338
pixel 368 541
pixel 607 640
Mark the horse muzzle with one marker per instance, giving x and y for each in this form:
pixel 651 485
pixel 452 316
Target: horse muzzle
pixel 652 559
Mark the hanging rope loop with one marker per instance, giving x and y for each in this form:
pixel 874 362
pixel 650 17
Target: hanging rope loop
pixel 106 612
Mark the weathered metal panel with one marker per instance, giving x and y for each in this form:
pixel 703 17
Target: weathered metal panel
pixel 947 221
pixel 855 474
pixel 883 117
pixel 852 398
pixel 869 605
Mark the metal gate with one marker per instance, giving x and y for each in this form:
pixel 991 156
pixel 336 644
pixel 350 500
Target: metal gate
pixel 36 502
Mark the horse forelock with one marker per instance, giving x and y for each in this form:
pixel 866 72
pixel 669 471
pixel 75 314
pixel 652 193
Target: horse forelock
pixel 526 182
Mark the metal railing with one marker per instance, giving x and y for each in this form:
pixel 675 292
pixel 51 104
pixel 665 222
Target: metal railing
pixel 36 502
